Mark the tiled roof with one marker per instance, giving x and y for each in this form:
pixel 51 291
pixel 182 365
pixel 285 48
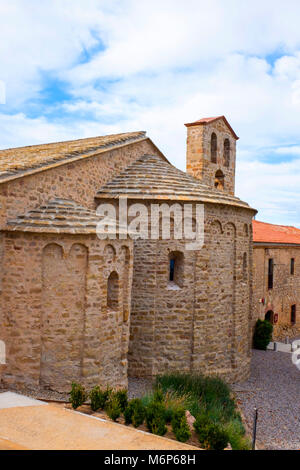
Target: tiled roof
pixel 57 216
pixel 269 233
pixel 151 177
pixel 23 160
pixel 212 119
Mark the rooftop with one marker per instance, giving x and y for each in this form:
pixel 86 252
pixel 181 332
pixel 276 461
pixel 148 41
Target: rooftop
pixel 212 119
pixel 19 161
pixel 59 216
pixel 269 233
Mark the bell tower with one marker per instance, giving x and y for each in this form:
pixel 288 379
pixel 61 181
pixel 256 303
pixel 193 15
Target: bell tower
pixel 211 153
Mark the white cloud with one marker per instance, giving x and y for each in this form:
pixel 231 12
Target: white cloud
pixel 272 188
pixel 160 66
pixel 2 92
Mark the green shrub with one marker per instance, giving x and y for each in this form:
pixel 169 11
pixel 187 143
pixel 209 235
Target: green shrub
pixel 180 426
pixel 236 433
pixel 211 436
pixel 123 398
pixel 128 412
pixel 99 398
pixel 201 425
pixel 135 413
pixel 158 395
pixel 169 414
pixel 262 334
pixel 156 418
pixel 113 408
pixel 78 395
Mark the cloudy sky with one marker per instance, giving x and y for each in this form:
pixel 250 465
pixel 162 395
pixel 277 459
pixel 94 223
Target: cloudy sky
pixel 79 68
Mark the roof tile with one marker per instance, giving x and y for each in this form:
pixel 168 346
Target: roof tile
pixel 152 177
pixel 17 161
pixel 269 233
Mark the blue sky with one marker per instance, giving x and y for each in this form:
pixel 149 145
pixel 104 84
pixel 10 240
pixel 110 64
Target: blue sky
pixel 73 69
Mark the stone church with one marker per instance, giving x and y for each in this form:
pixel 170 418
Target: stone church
pixel 76 306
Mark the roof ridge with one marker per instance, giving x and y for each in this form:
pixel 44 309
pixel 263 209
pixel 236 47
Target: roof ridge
pixel 71 140
pixel 21 161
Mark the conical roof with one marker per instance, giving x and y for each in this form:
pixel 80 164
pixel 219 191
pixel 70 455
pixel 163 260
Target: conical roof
pixel 151 177
pixel 59 216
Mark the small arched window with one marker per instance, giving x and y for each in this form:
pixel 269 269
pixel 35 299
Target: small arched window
pixel 113 291
pixel 219 180
pixel 226 152
pixel 176 268
pixel 213 148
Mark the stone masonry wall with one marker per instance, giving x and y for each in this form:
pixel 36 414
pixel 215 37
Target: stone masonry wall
pixel 202 325
pixel 55 320
pixel 198 160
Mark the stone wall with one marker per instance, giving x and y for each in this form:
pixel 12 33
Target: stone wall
pixel 286 287
pixel 204 323
pixel 55 320
pixel 26 281
pixel 198 159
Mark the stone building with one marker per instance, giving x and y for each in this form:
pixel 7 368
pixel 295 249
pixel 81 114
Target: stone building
pixel 78 306
pixel 276 289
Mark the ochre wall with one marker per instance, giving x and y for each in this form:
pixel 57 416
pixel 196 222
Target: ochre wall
pixel 204 325
pixel 55 319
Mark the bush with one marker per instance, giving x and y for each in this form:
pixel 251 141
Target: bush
pixel 237 438
pixel 99 398
pixel 156 418
pixel 262 334
pixel 78 395
pixel 123 398
pixel 113 408
pixel 158 395
pixel 211 436
pixel 135 413
pixel 201 425
pixel 180 426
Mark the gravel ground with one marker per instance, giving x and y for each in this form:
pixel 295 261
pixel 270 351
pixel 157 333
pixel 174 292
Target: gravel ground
pixel 273 388
pixel 138 387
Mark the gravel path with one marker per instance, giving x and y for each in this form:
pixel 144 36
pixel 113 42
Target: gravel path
pixel 274 388
pixel 138 387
